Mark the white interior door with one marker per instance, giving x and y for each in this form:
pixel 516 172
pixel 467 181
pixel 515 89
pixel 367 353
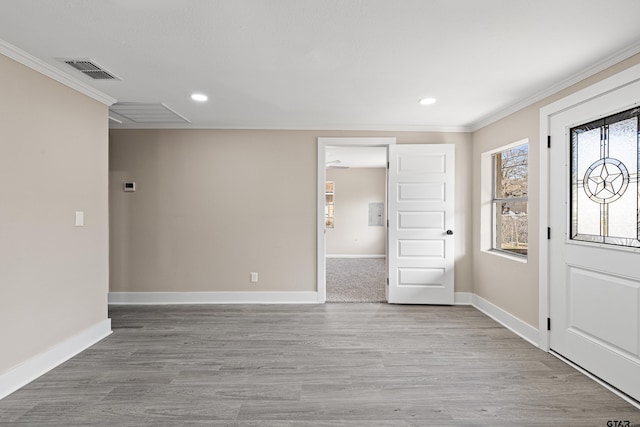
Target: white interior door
pixel 594 267
pixel 420 213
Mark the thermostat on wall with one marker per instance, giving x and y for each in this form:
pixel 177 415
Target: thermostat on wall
pixel 129 186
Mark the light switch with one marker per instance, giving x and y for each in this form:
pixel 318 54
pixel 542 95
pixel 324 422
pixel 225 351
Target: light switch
pixel 79 219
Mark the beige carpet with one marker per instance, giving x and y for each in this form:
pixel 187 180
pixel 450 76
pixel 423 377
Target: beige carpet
pixel 356 279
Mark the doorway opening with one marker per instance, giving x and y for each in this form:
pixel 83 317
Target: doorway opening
pixel 420 218
pixel 355 224
pixel 352 232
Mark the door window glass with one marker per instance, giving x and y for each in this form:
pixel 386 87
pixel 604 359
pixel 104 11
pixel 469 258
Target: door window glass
pixel 604 180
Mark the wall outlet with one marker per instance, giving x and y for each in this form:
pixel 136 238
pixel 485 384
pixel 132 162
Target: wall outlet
pixel 79 218
pixel 254 277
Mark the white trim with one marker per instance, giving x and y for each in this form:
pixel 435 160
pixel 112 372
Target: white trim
pixel 42 363
pixel 623 78
pixel 321 231
pixel 503 254
pixel 305 126
pixel 606 385
pixel 149 298
pixel 323 143
pixel 358 141
pixel 359 256
pixel 463 298
pixel 576 78
pixel 543 219
pixel 600 88
pixel 506 319
pixel 54 73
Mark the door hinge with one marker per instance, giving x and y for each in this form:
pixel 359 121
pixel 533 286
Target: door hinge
pixel 548 141
pixel 548 323
pixel 387 223
pixel 388 165
pixel 548 233
pixel 387 281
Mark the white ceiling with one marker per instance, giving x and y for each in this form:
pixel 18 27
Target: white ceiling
pixel 328 64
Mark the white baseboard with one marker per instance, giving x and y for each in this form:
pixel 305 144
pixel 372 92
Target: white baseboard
pixel 213 298
pixel 355 256
pixel 463 298
pixel 506 319
pixel 39 365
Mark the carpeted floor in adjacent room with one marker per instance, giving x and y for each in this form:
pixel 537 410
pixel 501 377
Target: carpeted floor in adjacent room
pixel 356 279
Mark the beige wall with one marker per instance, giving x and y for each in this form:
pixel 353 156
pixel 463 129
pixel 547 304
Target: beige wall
pixel 53 162
pixel 211 206
pixel 509 284
pixel 355 188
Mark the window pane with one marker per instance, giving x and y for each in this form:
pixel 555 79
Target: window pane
pixel 329 187
pixel 512 227
pixel 328 216
pixel 623 138
pixel 510 207
pixel 604 180
pixel 511 172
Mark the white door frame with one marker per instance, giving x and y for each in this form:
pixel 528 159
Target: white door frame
pixel 600 88
pixel 323 143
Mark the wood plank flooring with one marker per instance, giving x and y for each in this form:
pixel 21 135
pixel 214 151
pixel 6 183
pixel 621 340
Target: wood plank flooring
pixel 311 365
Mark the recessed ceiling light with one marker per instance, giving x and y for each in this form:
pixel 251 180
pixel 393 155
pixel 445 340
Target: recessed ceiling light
pixel 200 97
pixel 428 101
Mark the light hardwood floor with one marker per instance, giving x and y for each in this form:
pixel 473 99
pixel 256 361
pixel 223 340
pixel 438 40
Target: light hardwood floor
pixel 312 365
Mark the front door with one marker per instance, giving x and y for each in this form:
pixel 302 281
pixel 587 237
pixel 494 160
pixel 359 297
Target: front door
pixel 420 212
pixel 594 252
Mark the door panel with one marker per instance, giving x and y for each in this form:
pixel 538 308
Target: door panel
pixel 425 192
pixel 594 285
pixel 420 253
pixel 617 327
pixel 421 248
pixel 434 220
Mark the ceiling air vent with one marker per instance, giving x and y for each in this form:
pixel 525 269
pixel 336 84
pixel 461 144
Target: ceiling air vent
pixel 90 69
pixel 139 112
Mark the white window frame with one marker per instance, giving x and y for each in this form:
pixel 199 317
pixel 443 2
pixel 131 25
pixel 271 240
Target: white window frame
pixel 487 223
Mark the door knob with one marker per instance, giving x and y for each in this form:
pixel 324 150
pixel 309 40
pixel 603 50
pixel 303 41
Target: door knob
pixel 449 232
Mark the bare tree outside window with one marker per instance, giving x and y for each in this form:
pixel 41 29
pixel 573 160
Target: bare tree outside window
pixel 510 200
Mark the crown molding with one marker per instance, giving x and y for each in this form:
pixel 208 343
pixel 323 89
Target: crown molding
pixel 602 65
pixel 284 126
pixel 52 72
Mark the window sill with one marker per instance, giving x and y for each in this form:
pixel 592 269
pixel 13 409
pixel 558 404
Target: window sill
pixel 519 258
